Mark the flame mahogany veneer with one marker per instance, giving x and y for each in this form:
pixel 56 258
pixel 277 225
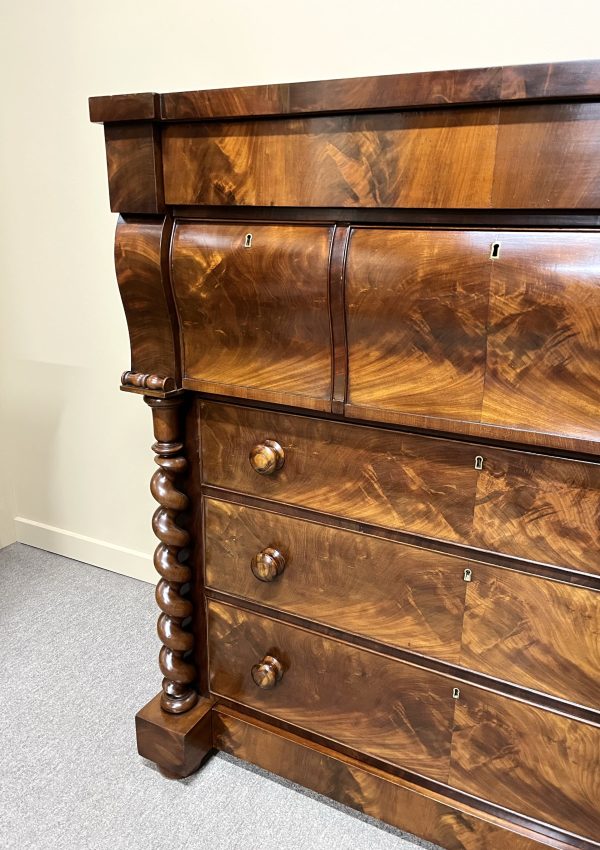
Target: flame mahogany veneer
pixel 365 314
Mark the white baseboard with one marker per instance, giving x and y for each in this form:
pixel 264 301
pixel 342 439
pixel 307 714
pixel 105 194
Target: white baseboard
pixel 99 553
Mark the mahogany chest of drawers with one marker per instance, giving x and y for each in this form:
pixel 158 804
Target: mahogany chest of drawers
pixel 366 317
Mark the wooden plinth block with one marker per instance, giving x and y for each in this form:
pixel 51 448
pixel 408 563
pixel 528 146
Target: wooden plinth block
pixel 177 743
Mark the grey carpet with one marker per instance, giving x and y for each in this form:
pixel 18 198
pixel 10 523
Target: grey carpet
pixel 77 660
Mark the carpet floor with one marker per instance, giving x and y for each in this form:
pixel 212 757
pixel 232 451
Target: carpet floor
pixel 77 660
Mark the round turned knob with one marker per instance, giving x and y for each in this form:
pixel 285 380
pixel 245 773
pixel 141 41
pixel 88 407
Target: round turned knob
pixel 267 673
pixel 266 457
pixel 268 564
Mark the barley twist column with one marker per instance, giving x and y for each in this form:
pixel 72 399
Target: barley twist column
pixel 178 694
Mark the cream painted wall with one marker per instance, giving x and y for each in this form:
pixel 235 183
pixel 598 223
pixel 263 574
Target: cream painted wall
pixel 76 457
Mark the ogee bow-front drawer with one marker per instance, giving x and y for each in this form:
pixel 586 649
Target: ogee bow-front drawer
pixel 253 304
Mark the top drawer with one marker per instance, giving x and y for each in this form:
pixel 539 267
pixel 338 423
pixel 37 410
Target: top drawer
pixel 520 504
pixel 526 156
pixel 254 311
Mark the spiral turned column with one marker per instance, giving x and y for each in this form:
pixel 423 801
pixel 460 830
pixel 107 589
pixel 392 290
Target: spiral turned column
pixel 178 694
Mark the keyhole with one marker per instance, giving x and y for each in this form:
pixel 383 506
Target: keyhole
pixel 495 252
pixel 248 240
pixel 479 462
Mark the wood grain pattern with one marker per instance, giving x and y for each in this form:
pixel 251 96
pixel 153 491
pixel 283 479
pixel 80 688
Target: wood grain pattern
pixel 151 321
pixel 386 708
pixel 411 159
pixel 177 743
pixel 257 318
pixel 560 79
pixel 528 759
pixel 417 305
pixel 573 577
pixel 519 628
pixel 133 158
pixel 543 358
pixel 541 634
pixel 547 157
pixel 393 91
pixel 144 106
pixel 477 430
pixel 346 95
pixel 430 315
pixel 541 508
pixel 524 505
pixel 400 595
pixel 398 480
pixel 437 818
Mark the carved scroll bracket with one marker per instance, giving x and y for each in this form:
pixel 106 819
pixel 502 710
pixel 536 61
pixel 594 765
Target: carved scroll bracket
pixel 178 694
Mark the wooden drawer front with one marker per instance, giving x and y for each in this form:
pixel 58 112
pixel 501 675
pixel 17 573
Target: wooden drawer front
pixel 255 320
pixel 375 704
pixel 527 156
pixel 398 480
pixel 540 508
pixel 543 361
pixel 370 160
pixel 416 313
pixel 538 633
pixel 527 759
pixel 438 327
pixel 397 594
pixel 527 630
pixel 524 505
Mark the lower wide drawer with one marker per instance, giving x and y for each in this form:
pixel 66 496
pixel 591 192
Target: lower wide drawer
pixel 528 759
pixel 400 595
pixel 375 704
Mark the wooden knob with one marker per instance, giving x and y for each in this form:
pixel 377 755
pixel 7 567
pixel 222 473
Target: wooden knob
pixel 268 564
pixel 267 673
pixel 266 457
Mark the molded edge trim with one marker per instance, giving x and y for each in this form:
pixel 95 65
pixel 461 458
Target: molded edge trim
pixel 512 83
